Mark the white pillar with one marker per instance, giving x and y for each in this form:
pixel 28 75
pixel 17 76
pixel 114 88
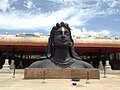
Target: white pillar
pixel 108 67
pixel 12 65
pixel 100 65
pixel 6 64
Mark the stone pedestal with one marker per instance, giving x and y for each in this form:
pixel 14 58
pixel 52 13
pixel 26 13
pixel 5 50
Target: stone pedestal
pixel 61 73
pixel 6 65
pixel 100 65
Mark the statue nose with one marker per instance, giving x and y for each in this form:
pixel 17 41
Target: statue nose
pixel 62 37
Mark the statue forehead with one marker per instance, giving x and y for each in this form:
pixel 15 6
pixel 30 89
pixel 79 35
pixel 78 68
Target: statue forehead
pixel 63 29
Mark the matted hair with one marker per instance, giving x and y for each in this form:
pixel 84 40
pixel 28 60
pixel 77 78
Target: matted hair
pixel 50 49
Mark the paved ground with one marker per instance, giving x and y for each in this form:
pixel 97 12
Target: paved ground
pixel 7 82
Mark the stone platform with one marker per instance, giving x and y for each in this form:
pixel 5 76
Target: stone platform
pixel 61 73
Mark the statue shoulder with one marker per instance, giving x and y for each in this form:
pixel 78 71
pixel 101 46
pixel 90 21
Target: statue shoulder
pixel 39 64
pixel 83 64
pixel 87 65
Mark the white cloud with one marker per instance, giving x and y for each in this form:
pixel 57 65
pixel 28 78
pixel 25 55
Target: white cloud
pixel 85 33
pixel 64 1
pixel 75 12
pixel 100 33
pixel 117 19
pixel 75 32
pixel 113 7
pixel 28 4
pixel 43 20
pixel 4 5
pixel 114 4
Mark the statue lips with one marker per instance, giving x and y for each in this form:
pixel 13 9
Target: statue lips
pixel 63 39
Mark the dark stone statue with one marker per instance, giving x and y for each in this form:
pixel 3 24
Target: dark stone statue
pixel 60 50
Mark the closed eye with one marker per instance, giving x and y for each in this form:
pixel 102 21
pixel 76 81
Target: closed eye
pixel 67 33
pixel 58 32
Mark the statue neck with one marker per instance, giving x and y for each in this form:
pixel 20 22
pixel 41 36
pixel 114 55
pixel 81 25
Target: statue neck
pixel 61 54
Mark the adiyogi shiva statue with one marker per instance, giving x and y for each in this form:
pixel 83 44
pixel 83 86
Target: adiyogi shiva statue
pixel 60 50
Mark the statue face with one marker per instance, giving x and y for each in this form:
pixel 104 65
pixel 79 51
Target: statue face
pixel 62 37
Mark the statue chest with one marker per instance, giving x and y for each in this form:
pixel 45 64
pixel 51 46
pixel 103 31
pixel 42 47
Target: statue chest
pixel 50 64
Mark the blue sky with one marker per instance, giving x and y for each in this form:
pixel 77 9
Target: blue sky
pixel 86 17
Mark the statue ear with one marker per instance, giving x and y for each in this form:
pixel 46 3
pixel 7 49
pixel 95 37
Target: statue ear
pixel 48 49
pixel 71 44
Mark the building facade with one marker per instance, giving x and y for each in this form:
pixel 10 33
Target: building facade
pixel 24 50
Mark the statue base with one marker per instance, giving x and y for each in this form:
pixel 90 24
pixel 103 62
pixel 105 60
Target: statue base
pixel 61 73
